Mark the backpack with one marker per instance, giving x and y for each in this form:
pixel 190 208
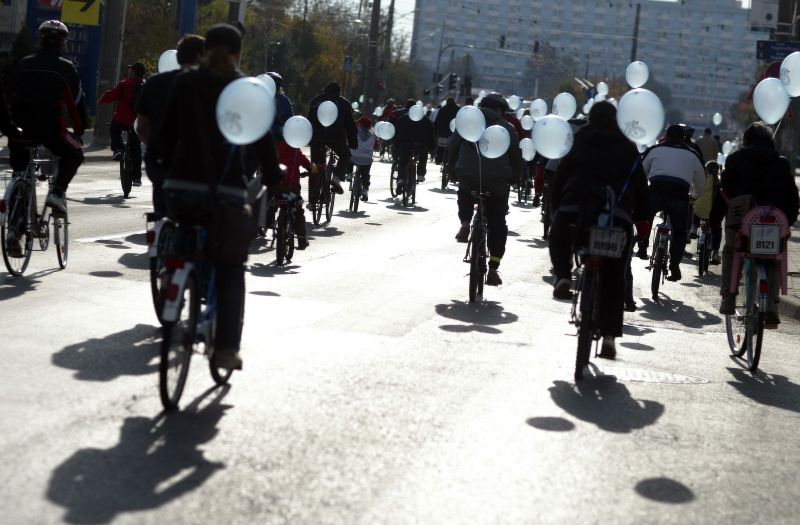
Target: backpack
pixel 137 93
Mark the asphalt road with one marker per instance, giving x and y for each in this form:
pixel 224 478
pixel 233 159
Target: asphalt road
pixel 373 393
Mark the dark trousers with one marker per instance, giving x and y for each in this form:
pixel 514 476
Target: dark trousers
pixel 676 208
pixel 61 143
pixel 156 177
pixel 340 147
pixel 495 209
pixel 404 154
pixel 299 212
pixel 716 232
pixel 134 144
pixel 364 172
pixel 611 294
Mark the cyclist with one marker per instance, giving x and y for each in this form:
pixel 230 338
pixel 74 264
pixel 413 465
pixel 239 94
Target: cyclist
pixel 150 109
pixel 362 156
pixel 199 160
pixel 43 86
pixel 601 157
pixel 493 176
pixel 293 159
pixel 339 136
pixel 283 106
pixel 126 94
pixel 757 170
pixel 413 136
pixel 702 210
pixel 442 125
pixel 675 171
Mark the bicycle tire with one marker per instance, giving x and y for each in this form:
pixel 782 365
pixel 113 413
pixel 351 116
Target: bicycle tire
pixel 44 239
pixel 126 177
pixel 736 324
pixel 414 192
pixel 702 263
pixel 526 195
pixel 17 265
pixel 520 191
pixel 586 297
pixel 316 214
pixel 177 347
pixel 755 328
pixel 444 176
pixel 221 376
pixel 473 269
pixel 393 179
pixel 658 268
pixel 546 218
pixel 282 234
pixel 159 276
pixel 61 240
pixel 329 205
pixel 355 193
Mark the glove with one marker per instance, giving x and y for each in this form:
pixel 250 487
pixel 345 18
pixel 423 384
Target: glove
pixel 313 169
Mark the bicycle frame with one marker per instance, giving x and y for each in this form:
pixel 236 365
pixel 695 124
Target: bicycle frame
pixel 28 181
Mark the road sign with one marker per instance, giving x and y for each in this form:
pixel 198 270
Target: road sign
pixel 771 50
pixel 84 12
pixel 764 15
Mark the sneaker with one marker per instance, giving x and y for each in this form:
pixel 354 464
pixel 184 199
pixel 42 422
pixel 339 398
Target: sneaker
pixel 13 246
pixel 420 178
pixel 728 305
pixel 630 307
pixel 771 320
pixel 693 236
pixel 715 259
pixel 674 273
pixel 117 155
pixel 608 350
pixel 302 242
pixel 463 233
pixel 58 204
pixel 337 186
pixel 562 289
pixel 364 195
pixel 228 359
pixel 641 253
pixel 493 278
pixel 537 201
pixel 137 182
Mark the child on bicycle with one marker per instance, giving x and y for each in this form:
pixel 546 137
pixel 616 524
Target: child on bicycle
pixel 293 159
pixel 361 157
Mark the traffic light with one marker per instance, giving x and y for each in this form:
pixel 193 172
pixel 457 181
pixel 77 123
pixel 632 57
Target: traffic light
pixel 381 86
pixel 426 92
pixel 453 82
pixel 438 89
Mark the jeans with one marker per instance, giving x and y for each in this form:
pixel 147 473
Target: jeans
pixel 404 154
pixel 156 176
pixel 60 142
pixel 134 145
pixel 364 172
pixel 495 209
pixel 676 209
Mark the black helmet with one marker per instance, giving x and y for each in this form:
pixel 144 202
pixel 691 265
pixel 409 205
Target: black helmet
pixel 276 77
pixel 494 100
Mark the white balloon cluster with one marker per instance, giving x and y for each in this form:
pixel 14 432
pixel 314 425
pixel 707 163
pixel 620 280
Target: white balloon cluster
pixel 772 96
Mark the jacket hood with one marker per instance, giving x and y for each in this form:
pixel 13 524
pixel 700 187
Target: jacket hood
pixel 599 134
pixel 756 153
pixel 492 117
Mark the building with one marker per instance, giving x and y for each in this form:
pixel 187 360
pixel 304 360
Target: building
pixel 702 49
pixel 12 18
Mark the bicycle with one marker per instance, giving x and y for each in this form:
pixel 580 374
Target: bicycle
pixel 603 243
pixel 477 255
pixel 393 177
pixel 410 181
pixel 443 143
pixel 659 257
pixel 525 185
pixel 760 243
pixel 18 212
pixel 546 211
pixel 325 197
pixel 283 235
pixel 160 232
pixel 703 248
pixel 189 320
pixel 356 187
pixel 126 169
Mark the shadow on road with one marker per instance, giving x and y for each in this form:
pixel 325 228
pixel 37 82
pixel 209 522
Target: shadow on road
pixel 115 200
pixel 677 311
pixel 479 317
pixel 11 287
pixel 664 490
pixel 132 352
pixel 156 461
pixel 553 424
pixel 767 389
pixel 135 260
pixel 637 346
pixel 270 269
pixel 605 402
pixel 107 274
pixel 326 231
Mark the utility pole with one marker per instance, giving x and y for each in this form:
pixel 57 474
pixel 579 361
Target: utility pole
pixel 110 59
pixel 188 17
pixel 387 46
pixel 372 59
pixel 635 43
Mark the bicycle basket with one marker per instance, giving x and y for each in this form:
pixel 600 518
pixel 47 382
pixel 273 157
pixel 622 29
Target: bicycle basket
pixel 765 239
pixel 606 242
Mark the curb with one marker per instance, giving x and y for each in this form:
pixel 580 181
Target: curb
pixel 789 307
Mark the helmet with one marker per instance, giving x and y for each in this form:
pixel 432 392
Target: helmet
pixel 494 100
pixel 54 26
pixel 275 76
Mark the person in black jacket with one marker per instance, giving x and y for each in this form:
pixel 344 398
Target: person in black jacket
pixel 442 126
pixel 201 165
pixel 759 171
pixel 413 136
pixel 474 172
pixel 601 157
pixel 341 137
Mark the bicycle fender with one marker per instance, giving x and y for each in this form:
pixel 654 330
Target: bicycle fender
pixel 6 195
pixel 172 306
pixel 152 251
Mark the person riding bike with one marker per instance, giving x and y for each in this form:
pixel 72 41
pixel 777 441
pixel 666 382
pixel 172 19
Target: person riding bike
pixel 494 176
pixel 413 137
pixel 126 94
pixel 340 136
pixel 602 157
pixel 675 171
pixel 702 210
pixel 283 106
pixel 151 106
pixel 44 85
pixel 362 156
pixel 293 159
pixel 204 171
pixel 442 126
pixel 755 170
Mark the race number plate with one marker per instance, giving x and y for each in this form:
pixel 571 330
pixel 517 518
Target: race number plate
pixel 765 239
pixel 606 242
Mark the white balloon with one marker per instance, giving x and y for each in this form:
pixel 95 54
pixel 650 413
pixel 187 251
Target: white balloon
pixel 268 82
pixel 564 106
pixel 297 131
pixel 613 102
pixel 637 74
pixel 721 157
pixel 470 123
pixel 717 119
pixel 378 111
pixel 602 88
pixel 494 142
pixel 168 61
pixel 538 109
pixel 520 113
pixel 640 115
pixel 327 113
pixel 727 148
pixel 386 131
pixel 452 125
pixel 482 94
pixel 528 149
pixel 378 126
pixel 552 137
pixel 790 74
pixel 513 102
pixel 527 122
pixel 599 97
pixel 354 105
pixel 245 111
pixel 586 108
pixel 416 113
pixel 771 100
pixel 477 101
pixel 419 103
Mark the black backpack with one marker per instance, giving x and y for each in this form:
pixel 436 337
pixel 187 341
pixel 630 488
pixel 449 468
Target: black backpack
pixel 137 93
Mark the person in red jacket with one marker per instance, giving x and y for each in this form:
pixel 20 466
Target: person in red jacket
pixel 293 159
pixel 125 94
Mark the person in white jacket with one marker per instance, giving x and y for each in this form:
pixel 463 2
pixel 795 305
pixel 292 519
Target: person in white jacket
pixel 361 157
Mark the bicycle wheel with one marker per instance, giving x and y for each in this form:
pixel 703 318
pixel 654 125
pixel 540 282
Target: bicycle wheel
pixel 126 176
pixel 444 176
pixel 61 240
pixel 221 376
pixel 736 324
pixel 702 262
pixel 329 205
pixel 546 217
pixel 526 194
pixel 393 179
pixel 177 347
pixel 282 235
pixel 44 233
pixel 17 206
pixel 413 191
pixel 755 328
pixel 159 276
pixel 586 290
pixel 475 269
pixel 706 256
pixel 656 271
pixel 355 193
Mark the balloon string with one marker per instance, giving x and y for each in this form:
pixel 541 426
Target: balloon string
pixel 777 128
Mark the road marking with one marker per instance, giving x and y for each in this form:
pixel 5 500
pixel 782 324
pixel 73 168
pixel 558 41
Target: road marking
pixel 110 237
